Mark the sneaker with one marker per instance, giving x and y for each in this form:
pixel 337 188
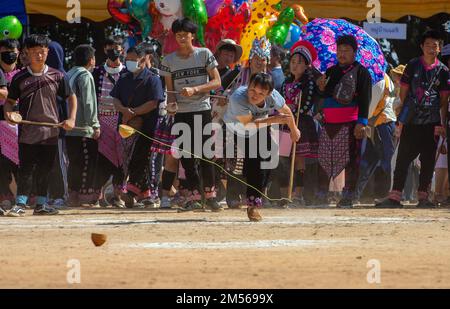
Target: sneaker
pixel 253 214
pixel 93 204
pixel 152 202
pixel 128 200
pixel 117 202
pixel 103 203
pixel 2 212
pixel 299 201
pixel 389 203
pixel 17 211
pixel 213 205
pixel 445 203
pixel 178 201
pixel 6 204
pixel 165 203
pixel 426 204
pixel 44 210
pixel 321 202
pixel 58 204
pixel 345 203
pixel 194 206
pixel 281 205
pixel 139 205
pixel 379 200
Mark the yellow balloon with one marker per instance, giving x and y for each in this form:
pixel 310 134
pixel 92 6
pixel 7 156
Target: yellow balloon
pixel 262 12
pixel 257 30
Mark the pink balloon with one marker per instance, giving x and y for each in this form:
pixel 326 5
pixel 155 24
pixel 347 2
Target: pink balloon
pixel 213 6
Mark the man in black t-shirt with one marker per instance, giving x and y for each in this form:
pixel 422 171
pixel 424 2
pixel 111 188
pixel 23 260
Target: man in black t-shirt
pixel 36 88
pixel 424 97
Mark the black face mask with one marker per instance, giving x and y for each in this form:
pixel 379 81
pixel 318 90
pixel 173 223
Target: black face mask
pixel 9 57
pixel 113 54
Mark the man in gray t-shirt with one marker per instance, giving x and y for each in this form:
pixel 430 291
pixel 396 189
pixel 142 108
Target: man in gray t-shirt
pixel 192 72
pixel 246 116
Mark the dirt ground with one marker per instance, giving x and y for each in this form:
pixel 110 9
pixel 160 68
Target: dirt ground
pixel 291 248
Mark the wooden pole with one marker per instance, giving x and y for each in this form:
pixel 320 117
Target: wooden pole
pixel 51 125
pixel 294 146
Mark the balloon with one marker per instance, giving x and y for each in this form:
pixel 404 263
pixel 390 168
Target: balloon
pixel 238 22
pixel 293 36
pixel 118 10
pixel 277 34
pixel 10 28
pixel 257 30
pixel 170 11
pixel 300 15
pixel 213 6
pixel 139 9
pixel 258 24
pixel 196 11
pixel 227 24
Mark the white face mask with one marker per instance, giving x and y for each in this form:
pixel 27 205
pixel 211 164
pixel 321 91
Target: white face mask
pixel 132 66
pixel 113 70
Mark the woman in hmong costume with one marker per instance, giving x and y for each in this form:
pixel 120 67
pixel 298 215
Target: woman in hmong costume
pixel 301 84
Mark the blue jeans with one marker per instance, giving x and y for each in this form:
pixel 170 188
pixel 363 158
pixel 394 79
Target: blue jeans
pixel 377 152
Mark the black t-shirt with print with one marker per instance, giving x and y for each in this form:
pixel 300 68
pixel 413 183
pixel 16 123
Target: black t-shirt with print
pixel 422 103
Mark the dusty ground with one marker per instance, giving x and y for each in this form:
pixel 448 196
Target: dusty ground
pixel 294 248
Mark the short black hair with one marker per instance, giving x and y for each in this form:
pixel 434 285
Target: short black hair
pixel 149 49
pixel 347 39
pixel 10 44
pixel 37 40
pixel 139 50
pixel 83 54
pixel 113 40
pixel 263 80
pixel 277 52
pixel 432 34
pixel 184 25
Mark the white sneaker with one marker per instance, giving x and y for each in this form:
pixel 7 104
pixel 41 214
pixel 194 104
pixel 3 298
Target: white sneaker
pixel 16 211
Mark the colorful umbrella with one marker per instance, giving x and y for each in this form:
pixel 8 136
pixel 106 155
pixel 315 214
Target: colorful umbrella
pixel 322 33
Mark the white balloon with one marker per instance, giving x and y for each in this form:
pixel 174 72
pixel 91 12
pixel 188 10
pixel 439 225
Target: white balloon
pixel 170 11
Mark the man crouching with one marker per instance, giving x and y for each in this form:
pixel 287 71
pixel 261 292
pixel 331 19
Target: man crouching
pixel 246 121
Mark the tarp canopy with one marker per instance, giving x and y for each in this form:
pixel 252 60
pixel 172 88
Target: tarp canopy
pixel 15 8
pixel 95 10
pixel 357 9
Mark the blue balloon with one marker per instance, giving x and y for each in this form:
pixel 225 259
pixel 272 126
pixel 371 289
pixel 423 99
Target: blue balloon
pixel 293 36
